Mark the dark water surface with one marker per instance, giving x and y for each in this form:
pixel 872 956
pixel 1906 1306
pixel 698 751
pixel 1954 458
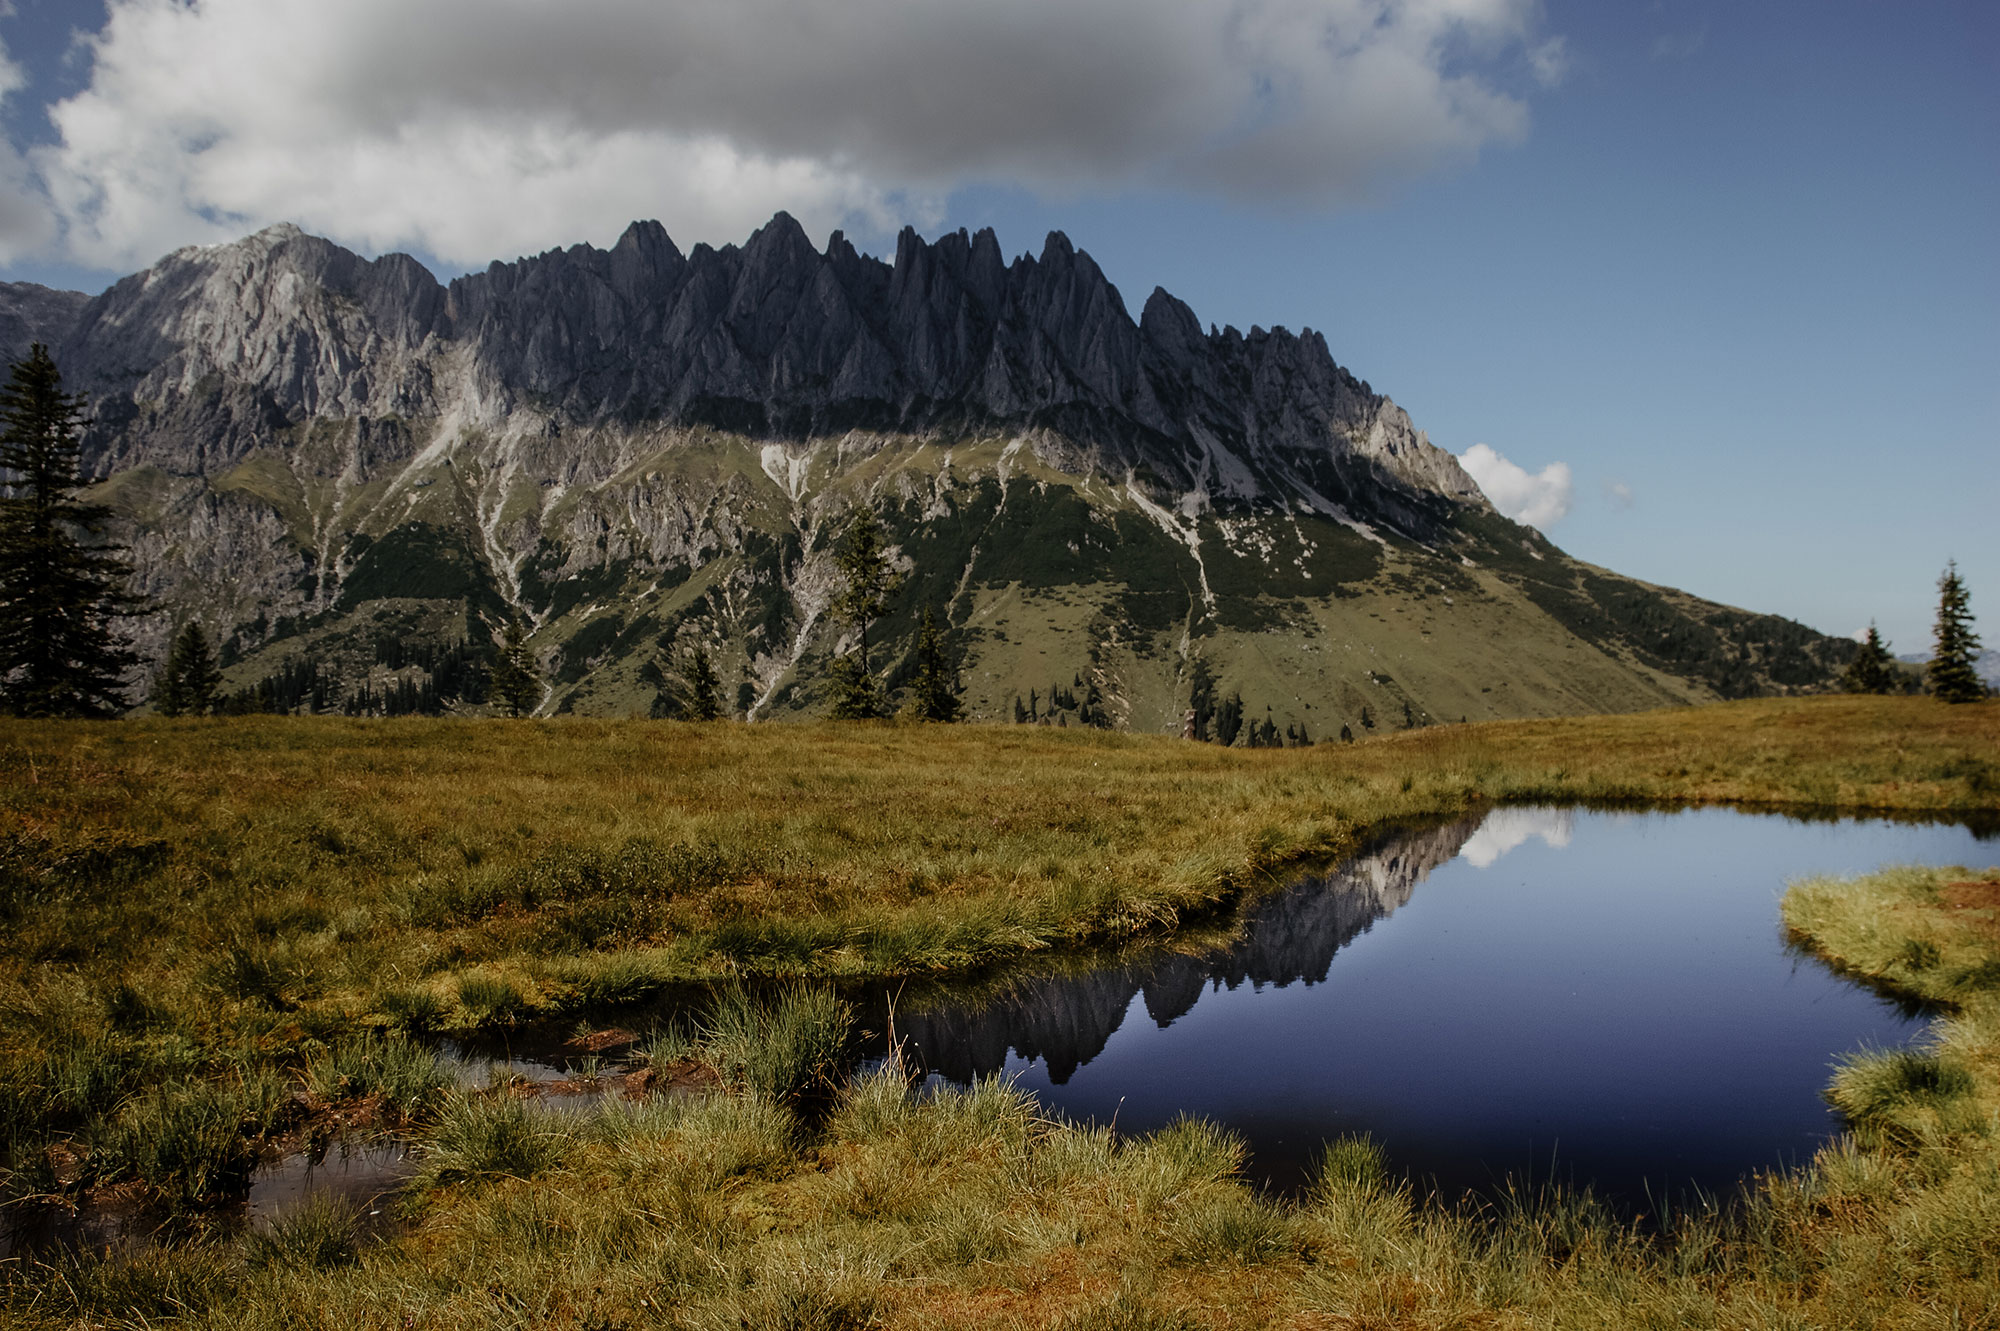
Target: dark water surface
pixel 1605 996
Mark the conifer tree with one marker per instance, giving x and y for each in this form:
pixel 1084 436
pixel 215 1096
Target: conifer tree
pixel 700 690
pixel 190 679
pixel 58 591
pixel 517 684
pixel 1951 673
pixel 1228 719
pixel 934 694
pixel 1872 670
pixel 864 563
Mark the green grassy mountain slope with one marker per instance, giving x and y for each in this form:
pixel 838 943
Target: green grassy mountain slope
pixel 353 476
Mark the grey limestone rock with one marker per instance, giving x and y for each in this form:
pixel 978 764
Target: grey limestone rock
pixel 31 313
pixel 217 351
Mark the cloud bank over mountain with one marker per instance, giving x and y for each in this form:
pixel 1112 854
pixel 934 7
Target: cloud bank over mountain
pixel 470 129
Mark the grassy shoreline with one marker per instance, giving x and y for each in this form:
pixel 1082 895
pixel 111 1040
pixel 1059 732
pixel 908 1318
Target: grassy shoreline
pixel 201 918
pixel 969 1208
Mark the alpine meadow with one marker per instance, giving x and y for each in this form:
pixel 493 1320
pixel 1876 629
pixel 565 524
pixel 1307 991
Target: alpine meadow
pixel 804 764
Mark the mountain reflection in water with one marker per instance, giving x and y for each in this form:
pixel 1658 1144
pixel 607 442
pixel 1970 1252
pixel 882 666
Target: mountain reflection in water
pixel 1608 991
pixel 1066 1021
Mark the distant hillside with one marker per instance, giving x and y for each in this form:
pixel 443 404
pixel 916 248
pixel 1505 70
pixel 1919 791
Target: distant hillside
pixel 351 474
pixel 1987 663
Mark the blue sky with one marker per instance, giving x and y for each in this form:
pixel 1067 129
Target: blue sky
pixel 1732 265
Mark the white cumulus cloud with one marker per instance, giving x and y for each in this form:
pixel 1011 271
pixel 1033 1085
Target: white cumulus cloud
pixel 1539 499
pixel 24 214
pixel 480 128
pixel 1507 829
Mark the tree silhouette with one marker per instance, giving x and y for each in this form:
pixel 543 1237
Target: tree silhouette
pixel 700 690
pixel 517 684
pixel 934 694
pixel 864 563
pixel 59 591
pixel 190 679
pixel 1872 670
pixel 1951 673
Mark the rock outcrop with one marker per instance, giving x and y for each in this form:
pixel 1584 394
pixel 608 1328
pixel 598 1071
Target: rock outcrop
pixel 215 351
pixel 314 451
pixel 30 313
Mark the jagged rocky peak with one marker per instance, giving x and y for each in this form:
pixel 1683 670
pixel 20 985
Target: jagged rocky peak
pixel 776 338
pixel 315 328
pixel 31 313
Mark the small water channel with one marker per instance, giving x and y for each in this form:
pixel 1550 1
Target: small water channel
pixel 1605 997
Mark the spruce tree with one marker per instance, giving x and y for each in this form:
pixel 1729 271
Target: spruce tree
pixel 863 561
pixel 1872 670
pixel 700 690
pixel 1228 719
pixel 190 679
pixel 1951 673
pixel 934 694
pixel 517 684
pixel 59 592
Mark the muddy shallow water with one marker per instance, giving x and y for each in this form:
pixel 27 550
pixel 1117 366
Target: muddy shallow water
pixel 1605 997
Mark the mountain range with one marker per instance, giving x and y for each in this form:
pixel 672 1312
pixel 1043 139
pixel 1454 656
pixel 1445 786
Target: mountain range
pixel 351 475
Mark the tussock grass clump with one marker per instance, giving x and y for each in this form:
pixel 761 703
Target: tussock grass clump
pixel 414 1009
pixel 152 1286
pixel 803 1290
pixel 1904 1096
pixel 320 1235
pixel 663 1048
pixel 492 1136
pixel 780 1049
pixel 1127 1311
pixel 192 1142
pixel 608 980
pixel 404 1076
pixel 490 999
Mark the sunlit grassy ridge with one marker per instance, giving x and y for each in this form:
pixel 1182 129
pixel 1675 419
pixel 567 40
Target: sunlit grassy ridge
pixel 200 917
pixel 284 875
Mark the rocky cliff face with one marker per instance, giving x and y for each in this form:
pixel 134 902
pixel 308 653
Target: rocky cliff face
pixel 774 340
pixel 315 451
pixel 30 313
